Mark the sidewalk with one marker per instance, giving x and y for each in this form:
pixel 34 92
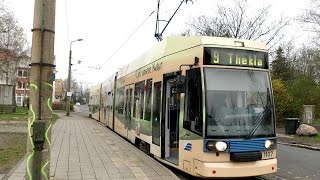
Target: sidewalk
pixel 295 140
pixel 84 149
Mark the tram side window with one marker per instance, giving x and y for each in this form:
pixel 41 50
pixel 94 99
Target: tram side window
pixel 156 113
pixel 120 100
pixel 147 114
pixel 109 100
pixel 138 100
pixel 193 119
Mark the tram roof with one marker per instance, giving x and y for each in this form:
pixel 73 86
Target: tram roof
pixel 174 44
pixel 95 88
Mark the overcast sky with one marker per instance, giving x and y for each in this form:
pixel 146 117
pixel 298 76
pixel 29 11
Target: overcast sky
pixel 105 25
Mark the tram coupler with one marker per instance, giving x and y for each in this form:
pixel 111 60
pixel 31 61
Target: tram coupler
pixel 38 136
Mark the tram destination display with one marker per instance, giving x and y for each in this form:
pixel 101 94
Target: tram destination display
pixel 235 57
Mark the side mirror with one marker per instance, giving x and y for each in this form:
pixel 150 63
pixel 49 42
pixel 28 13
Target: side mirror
pixel 181 84
pixel 196 61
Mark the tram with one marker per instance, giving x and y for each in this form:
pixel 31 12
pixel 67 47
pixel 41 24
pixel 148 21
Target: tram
pixel 203 105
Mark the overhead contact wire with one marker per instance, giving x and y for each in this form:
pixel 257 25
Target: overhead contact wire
pixel 131 35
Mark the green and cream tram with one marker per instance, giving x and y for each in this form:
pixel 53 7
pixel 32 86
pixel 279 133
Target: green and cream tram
pixel 203 105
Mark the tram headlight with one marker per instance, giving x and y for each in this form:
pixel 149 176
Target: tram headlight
pixel 221 146
pixel 269 144
pixel 216 146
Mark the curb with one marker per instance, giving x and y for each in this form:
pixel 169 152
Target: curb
pixel 9 174
pixel 301 146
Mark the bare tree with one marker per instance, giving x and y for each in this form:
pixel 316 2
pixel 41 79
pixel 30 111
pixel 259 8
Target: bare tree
pixel 205 26
pixel 13 44
pixel 307 63
pixel 238 22
pixel 75 86
pixel 311 17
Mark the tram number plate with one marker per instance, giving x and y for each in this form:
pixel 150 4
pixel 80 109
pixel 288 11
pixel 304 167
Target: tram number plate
pixel 267 154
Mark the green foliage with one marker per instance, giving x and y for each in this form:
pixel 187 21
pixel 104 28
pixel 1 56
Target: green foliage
pixel 21 114
pixel 54 118
pixel 316 122
pixel 310 139
pixel 71 106
pixel 282 99
pixel 295 109
pixel 21 110
pixel 281 68
pixel 306 91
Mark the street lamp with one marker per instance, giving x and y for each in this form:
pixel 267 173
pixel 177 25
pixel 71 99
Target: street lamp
pixel 69 78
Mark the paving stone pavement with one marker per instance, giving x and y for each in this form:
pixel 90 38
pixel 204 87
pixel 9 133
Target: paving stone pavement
pixel 84 149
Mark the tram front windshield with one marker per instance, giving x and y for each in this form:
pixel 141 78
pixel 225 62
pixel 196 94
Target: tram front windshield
pixel 238 103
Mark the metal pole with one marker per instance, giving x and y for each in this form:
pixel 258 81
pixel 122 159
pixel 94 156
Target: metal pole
pixel 40 110
pixel 69 78
pixel 69 82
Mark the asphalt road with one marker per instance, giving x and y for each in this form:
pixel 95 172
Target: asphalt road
pixel 84 110
pixel 298 163
pixel 293 162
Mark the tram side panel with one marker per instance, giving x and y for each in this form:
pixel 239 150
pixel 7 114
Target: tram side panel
pixel 119 109
pixel 94 102
pixel 107 106
pixel 139 125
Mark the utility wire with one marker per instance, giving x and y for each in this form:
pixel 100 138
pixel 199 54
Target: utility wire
pixel 67 19
pixel 131 35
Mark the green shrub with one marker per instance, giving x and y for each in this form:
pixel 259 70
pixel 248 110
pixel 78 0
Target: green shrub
pixel 58 106
pixel 61 106
pixel 295 109
pixel 71 106
pixel 305 92
pixel 282 99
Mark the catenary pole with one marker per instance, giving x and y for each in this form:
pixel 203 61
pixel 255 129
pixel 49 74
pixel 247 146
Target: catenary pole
pixel 69 78
pixel 40 110
pixel 69 82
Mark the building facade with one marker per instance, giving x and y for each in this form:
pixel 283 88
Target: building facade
pixel 22 85
pixel 15 72
pixel 58 91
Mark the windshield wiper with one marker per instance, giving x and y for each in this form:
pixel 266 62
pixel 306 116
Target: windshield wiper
pixel 260 118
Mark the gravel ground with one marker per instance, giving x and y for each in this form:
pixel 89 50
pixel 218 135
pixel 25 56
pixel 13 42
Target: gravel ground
pixel 9 127
pixel 13 126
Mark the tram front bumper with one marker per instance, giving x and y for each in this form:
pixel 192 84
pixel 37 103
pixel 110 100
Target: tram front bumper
pixel 235 169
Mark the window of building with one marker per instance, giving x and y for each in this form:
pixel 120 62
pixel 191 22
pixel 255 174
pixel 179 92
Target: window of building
pixel 21 98
pixel 138 100
pixel 25 73
pixel 20 72
pixel 20 85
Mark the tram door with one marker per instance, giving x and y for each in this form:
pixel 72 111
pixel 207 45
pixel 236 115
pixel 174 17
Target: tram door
pixel 127 111
pixel 171 123
pixel 105 109
pixel 108 107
